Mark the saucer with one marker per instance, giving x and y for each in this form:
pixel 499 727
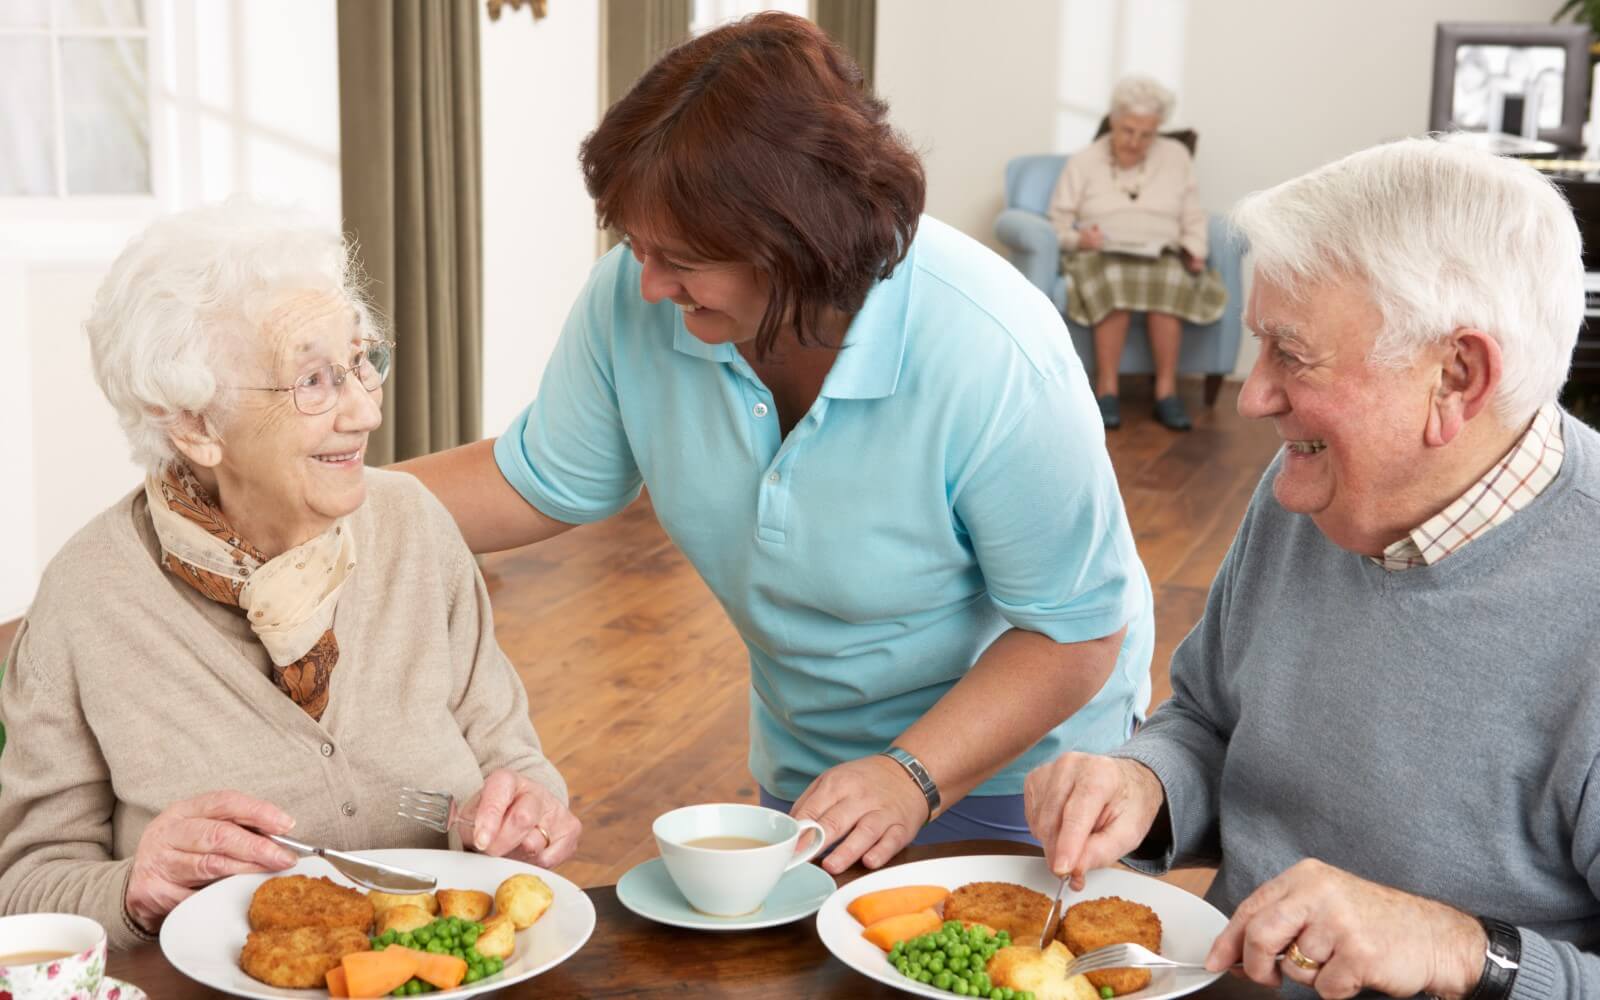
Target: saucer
pixel 116 989
pixel 648 890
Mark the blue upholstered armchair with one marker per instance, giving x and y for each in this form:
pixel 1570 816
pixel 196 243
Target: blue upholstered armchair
pixel 1023 227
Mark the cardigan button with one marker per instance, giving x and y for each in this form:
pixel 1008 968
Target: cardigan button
pixel 349 808
pixel 327 749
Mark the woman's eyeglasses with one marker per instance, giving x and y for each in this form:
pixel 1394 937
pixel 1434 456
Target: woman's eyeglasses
pixel 317 392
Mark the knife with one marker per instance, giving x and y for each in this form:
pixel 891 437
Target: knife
pixel 1057 911
pixel 360 870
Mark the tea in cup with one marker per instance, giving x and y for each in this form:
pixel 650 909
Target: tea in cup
pixel 51 956
pixel 726 857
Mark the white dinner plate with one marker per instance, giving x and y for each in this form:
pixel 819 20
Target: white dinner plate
pixel 1188 923
pixel 202 937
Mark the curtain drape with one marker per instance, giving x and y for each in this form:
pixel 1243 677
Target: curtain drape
pixel 409 109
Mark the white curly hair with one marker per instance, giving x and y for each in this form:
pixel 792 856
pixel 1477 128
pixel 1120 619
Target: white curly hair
pixel 165 321
pixel 1141 95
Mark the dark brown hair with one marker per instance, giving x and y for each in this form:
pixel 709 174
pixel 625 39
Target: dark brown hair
pixel 759 142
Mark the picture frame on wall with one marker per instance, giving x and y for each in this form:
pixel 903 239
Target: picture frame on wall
pixel 1490 77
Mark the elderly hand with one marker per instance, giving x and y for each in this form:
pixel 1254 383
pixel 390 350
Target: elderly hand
pixel 872 803
pixel 1088 811
pixel 1091 238
pixel 1193 263
pixel 1356 935
pixel 513 815
pixel 193 843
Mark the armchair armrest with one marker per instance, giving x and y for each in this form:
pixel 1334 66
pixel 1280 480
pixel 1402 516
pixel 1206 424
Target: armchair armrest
pixel 1033 245
pixel 1227 257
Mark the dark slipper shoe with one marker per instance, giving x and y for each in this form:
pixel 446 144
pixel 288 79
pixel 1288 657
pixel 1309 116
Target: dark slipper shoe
pixel 1170 413
pixel 1110 412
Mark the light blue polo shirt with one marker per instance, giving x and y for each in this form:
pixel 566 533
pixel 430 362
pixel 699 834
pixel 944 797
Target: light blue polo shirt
pixel 950 482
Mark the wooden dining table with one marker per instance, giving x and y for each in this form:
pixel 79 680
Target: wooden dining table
pixel 629 956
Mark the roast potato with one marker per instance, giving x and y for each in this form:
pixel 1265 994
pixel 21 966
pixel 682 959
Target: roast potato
pixel 468 904
pixel 498 939
pixel 384 900
pixel 523 898
pixel 403 918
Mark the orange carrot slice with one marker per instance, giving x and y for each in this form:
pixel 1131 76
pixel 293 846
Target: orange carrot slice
pixel 442 971
pixel 886 903
pixel 377 973
pixel 337 987
pixel 890 931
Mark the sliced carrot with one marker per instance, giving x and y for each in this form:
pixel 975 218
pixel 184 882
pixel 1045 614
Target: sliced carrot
pixel 886 903
pixel 377 973
pixel 890 931
pixel 337 987
pixel 443 971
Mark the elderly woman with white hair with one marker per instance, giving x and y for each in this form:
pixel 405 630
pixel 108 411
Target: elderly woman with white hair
pixel 265 634
pixel 1385 729
pixel 1133 239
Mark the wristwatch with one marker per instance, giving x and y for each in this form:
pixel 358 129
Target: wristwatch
pixel 1500 960
pixel 918 773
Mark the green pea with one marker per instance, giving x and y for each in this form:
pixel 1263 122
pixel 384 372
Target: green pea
pixel 472 976
pixel 495 965
pixel 1106 993
pixel 942 980
pixel 903 967
pixel 924 976
pixel 959 987
pixel 1008 993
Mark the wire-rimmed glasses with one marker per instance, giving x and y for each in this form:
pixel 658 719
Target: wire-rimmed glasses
pixel 317 392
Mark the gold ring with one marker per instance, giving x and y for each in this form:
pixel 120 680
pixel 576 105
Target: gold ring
pixel 543 833
pixel 1299 960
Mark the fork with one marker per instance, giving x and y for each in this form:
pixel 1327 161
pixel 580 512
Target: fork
pixel 1125 956
pixel 434 810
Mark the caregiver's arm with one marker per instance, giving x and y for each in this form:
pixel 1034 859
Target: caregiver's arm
pixel 490 513
pixel 1022 686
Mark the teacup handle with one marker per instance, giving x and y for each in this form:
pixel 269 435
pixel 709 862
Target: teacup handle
pixel 801 857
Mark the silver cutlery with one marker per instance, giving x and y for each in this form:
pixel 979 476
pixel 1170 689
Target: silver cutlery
pixel 1057 911
pixel 362 871
pixel 1127 956
pixel 434 810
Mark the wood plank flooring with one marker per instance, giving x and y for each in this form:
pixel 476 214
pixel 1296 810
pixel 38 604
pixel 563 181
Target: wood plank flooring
pixel 639 685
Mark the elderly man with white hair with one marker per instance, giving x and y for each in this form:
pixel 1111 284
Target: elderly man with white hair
pixel 1133 239
pixel 264 634
pixel 1385 729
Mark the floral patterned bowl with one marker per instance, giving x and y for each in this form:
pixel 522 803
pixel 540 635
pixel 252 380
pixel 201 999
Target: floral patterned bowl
pixel 76 972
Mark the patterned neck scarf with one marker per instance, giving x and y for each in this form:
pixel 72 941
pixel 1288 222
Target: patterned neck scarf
pixel 289 601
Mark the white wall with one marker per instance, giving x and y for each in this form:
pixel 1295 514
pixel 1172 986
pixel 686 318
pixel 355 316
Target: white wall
pixel 541 95
pixel 1274 88
pixel 229 118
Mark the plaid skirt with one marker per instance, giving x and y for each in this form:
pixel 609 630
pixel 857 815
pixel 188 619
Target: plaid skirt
pixel 1104 282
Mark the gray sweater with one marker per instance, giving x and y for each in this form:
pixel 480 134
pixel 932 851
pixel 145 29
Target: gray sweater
pixel 1435 730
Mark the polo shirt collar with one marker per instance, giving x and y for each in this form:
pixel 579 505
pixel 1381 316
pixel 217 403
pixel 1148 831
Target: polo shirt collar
pixel 869 365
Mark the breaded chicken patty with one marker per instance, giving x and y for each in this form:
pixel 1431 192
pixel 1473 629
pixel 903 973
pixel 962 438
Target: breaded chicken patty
pixel 298 958
pixel 290 901
pixel 1000 906
pixel 1095 923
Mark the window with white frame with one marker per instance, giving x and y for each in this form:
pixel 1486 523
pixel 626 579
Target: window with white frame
pixel 74 98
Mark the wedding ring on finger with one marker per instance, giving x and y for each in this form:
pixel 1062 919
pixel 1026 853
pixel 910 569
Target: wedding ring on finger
pixel 1294 956
pixel 543 833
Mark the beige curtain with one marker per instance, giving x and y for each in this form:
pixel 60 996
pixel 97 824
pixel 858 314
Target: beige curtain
pixel 409 132
pixel 854 25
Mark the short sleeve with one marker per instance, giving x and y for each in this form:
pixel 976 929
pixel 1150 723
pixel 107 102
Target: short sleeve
pixel 567 453
pixel 1046 521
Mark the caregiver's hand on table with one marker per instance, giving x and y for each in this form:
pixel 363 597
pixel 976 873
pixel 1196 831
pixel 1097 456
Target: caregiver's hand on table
pixel 1088 811
pixel 515 816
pixel 1353 935
pixel 192 843
pixel 871 803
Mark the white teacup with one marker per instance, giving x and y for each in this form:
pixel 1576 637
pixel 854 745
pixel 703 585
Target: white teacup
pixel 51 956
pixel 726 857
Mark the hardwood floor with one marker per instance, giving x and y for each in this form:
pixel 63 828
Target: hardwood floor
pixel 639 685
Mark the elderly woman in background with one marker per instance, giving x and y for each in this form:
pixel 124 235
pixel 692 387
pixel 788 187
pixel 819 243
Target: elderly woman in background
pixel 264 624
pixel 1385 728
pixel 1133 239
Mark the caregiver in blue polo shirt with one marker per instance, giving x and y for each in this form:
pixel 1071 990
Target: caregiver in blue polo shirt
pixel 868 433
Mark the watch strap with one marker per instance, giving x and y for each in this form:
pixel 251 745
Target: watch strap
pixel 919 774
pixel 1500 960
